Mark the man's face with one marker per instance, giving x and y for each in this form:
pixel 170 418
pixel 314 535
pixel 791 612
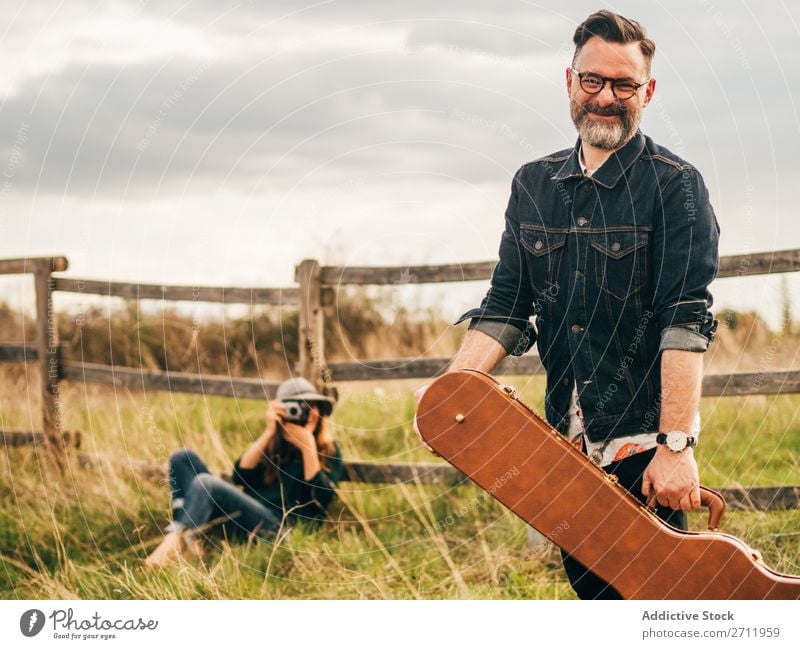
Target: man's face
pixel 603 120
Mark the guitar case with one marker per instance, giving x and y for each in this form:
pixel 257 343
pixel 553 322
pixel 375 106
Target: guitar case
pixel 483 430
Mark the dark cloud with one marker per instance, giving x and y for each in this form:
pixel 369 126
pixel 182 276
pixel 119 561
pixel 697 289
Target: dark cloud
pixel 335 91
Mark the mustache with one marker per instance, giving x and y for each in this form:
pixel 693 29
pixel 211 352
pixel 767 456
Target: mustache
pixel 611 109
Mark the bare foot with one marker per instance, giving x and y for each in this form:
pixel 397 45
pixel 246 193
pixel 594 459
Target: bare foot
pixel 169 551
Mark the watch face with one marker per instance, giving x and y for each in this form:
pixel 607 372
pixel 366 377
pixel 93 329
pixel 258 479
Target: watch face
pixel 676 441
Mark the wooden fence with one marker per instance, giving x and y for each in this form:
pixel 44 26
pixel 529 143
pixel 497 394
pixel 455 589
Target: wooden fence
pixel 315 294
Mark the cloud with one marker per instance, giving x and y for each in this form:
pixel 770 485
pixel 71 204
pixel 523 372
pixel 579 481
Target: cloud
pixel 346 118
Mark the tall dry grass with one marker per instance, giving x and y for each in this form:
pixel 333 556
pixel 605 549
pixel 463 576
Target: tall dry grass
pixel 263 343
pixel 83 533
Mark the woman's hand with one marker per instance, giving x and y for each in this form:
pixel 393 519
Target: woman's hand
pixel 302 437
pixel 275 411
pixel 257 451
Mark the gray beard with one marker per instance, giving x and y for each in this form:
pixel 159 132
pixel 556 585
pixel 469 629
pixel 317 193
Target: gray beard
pixel 606 136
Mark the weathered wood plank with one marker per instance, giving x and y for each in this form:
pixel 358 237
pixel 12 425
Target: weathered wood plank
pixel 759 263
pixel 421 368
pixel 36 438
pixel 18 353
pixel 743 383
pixel 402 275
pixel 735 384
pixel 398 368
pixel 141 379
pixel 225 294
pixel 48 355
pixel 312 364
pixel 423 473
pixel 30 264
pixel 729 385
pixel 432 473
pixel 762 498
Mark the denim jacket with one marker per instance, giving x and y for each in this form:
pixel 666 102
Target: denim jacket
pixel 604 272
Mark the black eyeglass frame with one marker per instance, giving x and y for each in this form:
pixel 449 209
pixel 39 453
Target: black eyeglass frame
pixel 613 83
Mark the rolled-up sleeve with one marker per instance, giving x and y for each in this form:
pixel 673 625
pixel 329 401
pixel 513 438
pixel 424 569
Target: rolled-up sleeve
pixel 686 260
pixel 504 313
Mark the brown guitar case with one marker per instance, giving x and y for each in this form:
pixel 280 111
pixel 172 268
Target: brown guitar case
pixel 482 429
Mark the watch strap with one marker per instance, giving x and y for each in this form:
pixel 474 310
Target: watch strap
pixel 661 438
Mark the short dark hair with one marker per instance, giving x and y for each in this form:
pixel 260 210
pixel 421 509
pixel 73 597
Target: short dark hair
pixel 613 28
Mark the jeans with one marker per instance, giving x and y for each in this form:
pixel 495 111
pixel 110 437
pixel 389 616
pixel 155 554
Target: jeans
pixel 198 497
pixel 585 583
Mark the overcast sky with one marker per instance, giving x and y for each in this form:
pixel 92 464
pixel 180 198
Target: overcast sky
pixel 221 143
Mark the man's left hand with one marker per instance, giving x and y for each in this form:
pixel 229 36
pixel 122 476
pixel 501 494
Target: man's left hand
pixel 671 479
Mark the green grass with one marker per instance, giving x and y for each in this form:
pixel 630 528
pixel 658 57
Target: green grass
pixel 84 534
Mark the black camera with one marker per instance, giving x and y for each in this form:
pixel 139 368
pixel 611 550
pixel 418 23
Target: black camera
pixel 296 412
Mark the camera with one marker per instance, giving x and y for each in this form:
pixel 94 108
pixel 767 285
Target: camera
pixel 296 412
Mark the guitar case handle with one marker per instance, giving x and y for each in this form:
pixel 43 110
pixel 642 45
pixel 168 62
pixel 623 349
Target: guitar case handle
pixel 709 498
pixel 716 506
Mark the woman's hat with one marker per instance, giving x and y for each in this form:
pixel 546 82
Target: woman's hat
pixel 300 389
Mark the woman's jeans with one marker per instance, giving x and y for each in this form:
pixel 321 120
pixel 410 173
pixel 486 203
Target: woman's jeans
pixel 199 497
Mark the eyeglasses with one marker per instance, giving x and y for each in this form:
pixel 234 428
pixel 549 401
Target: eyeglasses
pixel 592 84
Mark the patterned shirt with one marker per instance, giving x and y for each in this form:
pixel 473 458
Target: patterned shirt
pixel 613 450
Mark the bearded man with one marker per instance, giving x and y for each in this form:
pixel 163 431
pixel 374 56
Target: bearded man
pixel 605 261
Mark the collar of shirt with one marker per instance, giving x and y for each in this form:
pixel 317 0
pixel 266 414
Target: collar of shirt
pixel 586 171
pixel 610 172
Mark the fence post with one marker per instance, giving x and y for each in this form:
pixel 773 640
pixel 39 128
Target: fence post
pixel 48 351
pixel 311 362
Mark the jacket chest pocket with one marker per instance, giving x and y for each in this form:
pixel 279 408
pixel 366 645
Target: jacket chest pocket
pixel 620 262
pixel 545 251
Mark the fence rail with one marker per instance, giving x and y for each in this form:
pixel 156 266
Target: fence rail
pixel 714 385
pixel 226 294
pixel 36 438
pixel 27 265
pixel 435 474
pixel 316 292
pixel 143 379
pixel 18 353
pixel 756 263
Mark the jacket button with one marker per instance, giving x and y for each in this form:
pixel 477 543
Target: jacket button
pixel 578 274
pixel 582 221
pixel 615 246
pixel 565 380
pixel 538 245
pixel 576 328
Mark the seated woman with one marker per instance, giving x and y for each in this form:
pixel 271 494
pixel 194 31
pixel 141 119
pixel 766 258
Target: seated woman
pixel 290 471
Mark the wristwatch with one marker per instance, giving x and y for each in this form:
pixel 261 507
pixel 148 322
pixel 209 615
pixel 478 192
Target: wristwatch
pixel 676 440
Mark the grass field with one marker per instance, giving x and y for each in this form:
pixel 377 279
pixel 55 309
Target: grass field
pixel 84 535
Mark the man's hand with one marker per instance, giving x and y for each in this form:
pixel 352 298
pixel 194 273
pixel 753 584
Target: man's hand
pixel 479 351
pixel 671 479
pixel 418 396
